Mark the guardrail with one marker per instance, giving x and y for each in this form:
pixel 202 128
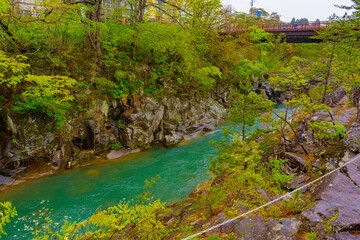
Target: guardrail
pixel 278 27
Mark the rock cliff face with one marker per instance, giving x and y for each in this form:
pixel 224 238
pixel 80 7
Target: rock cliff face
pixel 31 144
pixel 172 122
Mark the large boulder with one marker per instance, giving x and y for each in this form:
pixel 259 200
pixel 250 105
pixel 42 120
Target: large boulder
pixel 185 120
pixel 250 228
pixel 173 138
pixel 143 124
pixel 173 108
pixel 338 97
pixel 32 137
pixel 352 138
pixel 295 164
pixel 274 94
pixel 337 203
pixel 62 156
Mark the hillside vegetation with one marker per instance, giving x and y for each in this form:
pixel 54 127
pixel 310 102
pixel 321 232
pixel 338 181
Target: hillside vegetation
pixel 55 67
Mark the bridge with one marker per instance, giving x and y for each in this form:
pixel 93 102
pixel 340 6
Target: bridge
pixel 294 32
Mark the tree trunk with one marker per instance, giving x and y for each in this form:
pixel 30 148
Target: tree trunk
pixel 327 76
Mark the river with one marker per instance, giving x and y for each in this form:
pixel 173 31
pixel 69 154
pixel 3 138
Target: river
pixel 78 193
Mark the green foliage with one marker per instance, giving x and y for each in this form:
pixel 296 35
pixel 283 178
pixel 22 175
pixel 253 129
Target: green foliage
pixel 113 221
pixel 7 211
pixel 44 95
pixel 206 76
pixel 49 95
pixel 326 130
pixel 117 145
pixel 258 35
pixel 147 195
pixel 247 108
pixel 4 5
pixel 312 236
pixel 240 170
pixel 12 70
pixel 246 69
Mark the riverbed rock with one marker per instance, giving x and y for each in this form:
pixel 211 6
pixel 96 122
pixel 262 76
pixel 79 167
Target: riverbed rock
pixel 274 94
pixel 36 141
pixel 346 116
pixel 295 164
pixel 114 154
pixel 297 181
pixel 62 156
pixel 5 180
pixel 173 138
pixel 251 228
pixel 337 202
pixel 173 108
pixel 352 138
pixel 338 97
pixel 81 158
pixel 186 120
pixel 133 123
pixel 343 115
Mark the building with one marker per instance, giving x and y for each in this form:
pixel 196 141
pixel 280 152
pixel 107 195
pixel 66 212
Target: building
pixel 24 7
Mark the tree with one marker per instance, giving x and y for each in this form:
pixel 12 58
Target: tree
pixel 247 107
pixel 7 211
pixel 47 95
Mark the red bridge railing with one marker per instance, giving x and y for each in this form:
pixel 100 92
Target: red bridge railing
pixel 281 27
pixel 295 26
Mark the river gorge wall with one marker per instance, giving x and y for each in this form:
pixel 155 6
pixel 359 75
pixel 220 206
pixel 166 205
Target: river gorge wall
pixel 31 145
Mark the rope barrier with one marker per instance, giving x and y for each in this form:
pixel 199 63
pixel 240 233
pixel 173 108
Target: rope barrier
pixel 275 200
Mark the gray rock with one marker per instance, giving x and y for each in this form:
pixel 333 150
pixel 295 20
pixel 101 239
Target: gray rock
pixel 251 228
pixel 337 195
pixel 354 173
pixel 209 127
pixel 295 164
pixel 173 108
pixel 62 156
pixel 355 96
pixel 297 181
pixel 352 139
pixel 304 134
pixel 338 97
pixel 5 180
pixel 213 109
pixel 173 138
pixel 81 157
pixel 195 128
pixel 143 124
pixel 57 159
pixel 264 194
pixel 11 125
pixel 347 236
pixel 346 116
pixel 114 154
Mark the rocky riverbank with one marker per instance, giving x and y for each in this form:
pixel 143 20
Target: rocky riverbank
pixel 328 209
pixel 33 147
pixel 106 130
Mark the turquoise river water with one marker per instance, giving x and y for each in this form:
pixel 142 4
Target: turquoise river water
pixel 78 193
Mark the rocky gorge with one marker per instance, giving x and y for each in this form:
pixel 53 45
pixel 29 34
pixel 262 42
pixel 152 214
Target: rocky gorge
pixel 103 130
pixel 330 208
pixel 172 121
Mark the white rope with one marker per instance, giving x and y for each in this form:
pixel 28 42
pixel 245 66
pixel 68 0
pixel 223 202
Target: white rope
pixel 275 200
